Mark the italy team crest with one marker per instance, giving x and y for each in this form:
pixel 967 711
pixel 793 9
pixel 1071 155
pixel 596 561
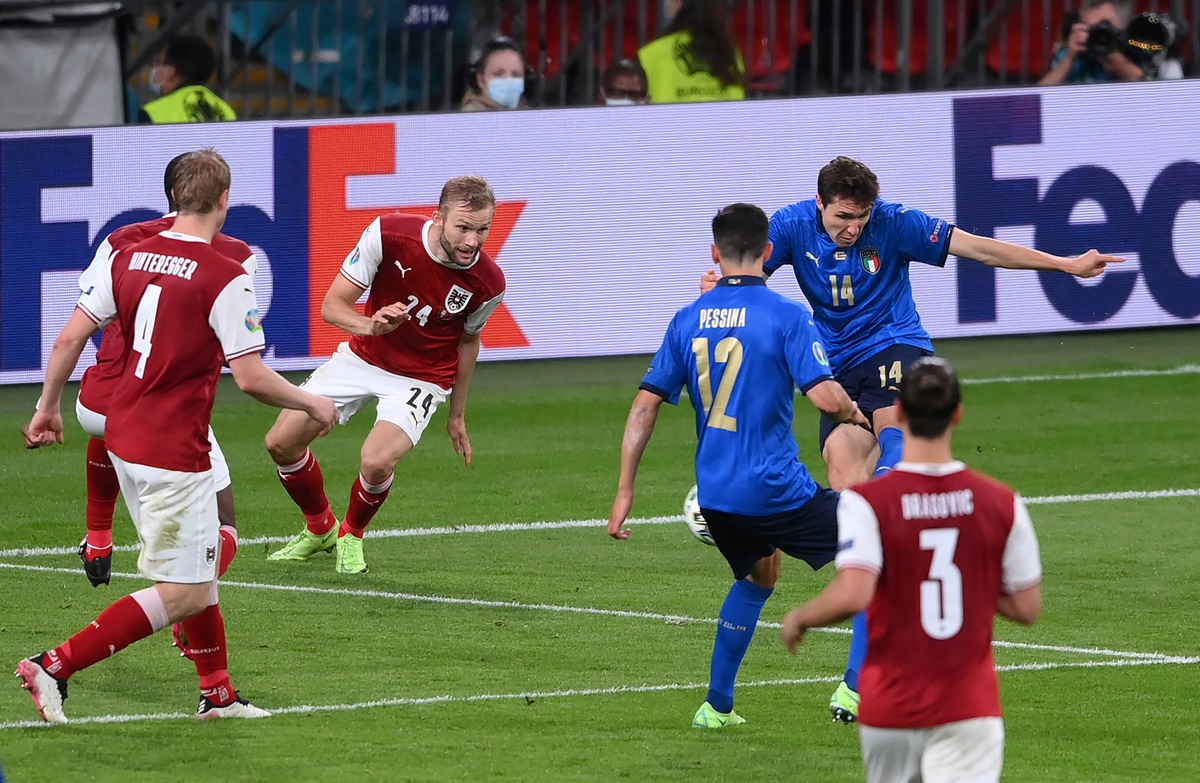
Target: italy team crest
pixel 870 259
pixel 457 299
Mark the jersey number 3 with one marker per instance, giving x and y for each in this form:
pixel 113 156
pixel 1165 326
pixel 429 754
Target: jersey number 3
pixel 942 592
pixel 729 353
pixel 143 327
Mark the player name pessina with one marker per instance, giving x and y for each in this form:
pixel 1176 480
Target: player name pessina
pixel 941 505
pixel 722 317
pixel 160 264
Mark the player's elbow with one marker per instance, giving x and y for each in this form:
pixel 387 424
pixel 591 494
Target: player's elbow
pixel 1023 606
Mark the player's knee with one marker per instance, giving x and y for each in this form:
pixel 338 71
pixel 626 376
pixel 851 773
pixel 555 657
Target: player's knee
pixel 376 468
pixel 283 450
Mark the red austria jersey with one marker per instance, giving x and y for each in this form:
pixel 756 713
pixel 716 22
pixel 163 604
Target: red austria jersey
pixel 946 542
pixel 184 306
pixel 393 259
pixel 99 380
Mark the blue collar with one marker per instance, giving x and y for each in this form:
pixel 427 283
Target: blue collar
pixel 740 280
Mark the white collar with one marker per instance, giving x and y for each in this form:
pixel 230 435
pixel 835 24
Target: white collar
pixel 425 242
pixel 169 234
pixel 932 468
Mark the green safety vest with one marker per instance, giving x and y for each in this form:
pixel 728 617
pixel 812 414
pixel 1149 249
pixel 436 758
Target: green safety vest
pixel 665 61
pixel 195 103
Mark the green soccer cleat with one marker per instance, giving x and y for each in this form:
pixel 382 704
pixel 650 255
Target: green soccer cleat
pixel 307 544
pixel 708 718
pixel 349 555
pixel 844 704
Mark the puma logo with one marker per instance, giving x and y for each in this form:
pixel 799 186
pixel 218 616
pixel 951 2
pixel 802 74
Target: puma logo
pixel 403 271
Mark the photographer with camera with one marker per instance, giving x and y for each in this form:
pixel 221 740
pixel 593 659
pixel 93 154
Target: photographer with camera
pixel 1095 48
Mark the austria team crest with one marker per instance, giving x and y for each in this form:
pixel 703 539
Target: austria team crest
pixel 870 259
pixel 457 299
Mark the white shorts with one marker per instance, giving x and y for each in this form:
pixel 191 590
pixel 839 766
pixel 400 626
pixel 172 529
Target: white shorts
pixel 968 751
pixel 175 514
pixel 93 424
pixel 350 382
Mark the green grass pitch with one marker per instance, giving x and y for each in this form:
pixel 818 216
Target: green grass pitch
pixel 464 656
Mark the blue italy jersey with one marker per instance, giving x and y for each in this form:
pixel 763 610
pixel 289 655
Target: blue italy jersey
pixel 860 296
pixel 741 350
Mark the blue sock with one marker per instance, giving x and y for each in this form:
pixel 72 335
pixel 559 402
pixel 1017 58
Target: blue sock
pixel 891 448
pixel 858 651
pixel 735 628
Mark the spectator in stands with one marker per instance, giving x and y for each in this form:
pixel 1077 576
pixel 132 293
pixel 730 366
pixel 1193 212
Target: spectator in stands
pixel 624 84
pixel 179 73
pixel 697 60
pixel 1091 50
pixel 497 79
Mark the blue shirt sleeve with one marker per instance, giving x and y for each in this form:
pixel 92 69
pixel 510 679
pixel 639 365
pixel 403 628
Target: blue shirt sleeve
pixel 922 238
pixel 806 356
pixel 781 237
pixel 668 372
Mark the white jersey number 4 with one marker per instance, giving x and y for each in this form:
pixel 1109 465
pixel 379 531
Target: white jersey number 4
pixel 143 327
pixel 942 592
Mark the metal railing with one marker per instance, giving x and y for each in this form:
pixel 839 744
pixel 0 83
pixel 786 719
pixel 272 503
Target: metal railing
pixel 305 58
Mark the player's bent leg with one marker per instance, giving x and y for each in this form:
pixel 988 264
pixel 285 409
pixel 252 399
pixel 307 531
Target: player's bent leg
pixel 300 473
pixel 968 751
pixel 847 453
pixel 383 449
pixel 891 440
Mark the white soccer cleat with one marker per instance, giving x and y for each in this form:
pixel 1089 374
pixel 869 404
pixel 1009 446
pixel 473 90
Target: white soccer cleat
pixel 48 693
pixel 238 708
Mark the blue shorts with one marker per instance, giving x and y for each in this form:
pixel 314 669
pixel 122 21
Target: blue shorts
pixel 875 383
pixel 809 533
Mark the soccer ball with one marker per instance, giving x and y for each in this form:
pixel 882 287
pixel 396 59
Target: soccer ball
pixel 694 519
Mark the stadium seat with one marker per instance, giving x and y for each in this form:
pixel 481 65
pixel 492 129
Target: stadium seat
pixel 769 52
pixel 1021 47
pixel 883 38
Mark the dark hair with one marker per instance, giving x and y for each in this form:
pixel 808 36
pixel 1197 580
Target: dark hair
pixel 192 58
pixel 740 232
pixel 623 67
pixel 500 43
pixel 169 180
pixel 712 49
pixel 929 394
pixel 846 178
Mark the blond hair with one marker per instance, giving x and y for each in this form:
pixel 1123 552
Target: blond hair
pixel 471 192
pixel 200 179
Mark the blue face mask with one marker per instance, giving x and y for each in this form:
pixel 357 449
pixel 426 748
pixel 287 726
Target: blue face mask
pixel 506 91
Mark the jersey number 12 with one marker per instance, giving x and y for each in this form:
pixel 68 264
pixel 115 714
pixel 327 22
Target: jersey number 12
pixel 729 353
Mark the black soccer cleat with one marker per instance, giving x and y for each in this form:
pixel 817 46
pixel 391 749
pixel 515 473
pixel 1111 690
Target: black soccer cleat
pixel 99 569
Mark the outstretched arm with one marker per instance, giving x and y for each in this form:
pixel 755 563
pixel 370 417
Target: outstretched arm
pixel 1006 255
pixel 468 355
pixel 46 425
pixel 638 429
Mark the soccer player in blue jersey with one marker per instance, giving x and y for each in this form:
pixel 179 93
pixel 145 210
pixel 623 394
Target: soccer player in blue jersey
pixel 741 351
pixel 850 252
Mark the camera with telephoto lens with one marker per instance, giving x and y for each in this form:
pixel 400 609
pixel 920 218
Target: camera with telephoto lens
pixel 1147 41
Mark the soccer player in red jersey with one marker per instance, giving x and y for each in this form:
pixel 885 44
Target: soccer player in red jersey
pixel 96 389
pixel 432 289
pixel 184 306
pixel 933 551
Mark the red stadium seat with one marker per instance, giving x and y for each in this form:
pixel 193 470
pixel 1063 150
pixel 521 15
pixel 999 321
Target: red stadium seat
pixel 883 44
pixel 1016 58
pixel 769 54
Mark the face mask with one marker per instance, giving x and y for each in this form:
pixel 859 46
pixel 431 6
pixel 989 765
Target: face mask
pixel 155 85
pixel 506 91
pixel 621 102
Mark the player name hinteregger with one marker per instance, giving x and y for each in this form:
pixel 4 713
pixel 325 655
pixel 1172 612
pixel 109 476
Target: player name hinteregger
pixel 722 317
pixel 940 505
pixel 160 264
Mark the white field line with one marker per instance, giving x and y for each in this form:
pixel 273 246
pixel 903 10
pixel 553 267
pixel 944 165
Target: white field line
pixel 528 697
pixel 491 604
pixel 1185 369
pixel 412 532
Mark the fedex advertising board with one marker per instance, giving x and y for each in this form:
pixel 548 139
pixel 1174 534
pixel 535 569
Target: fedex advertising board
pixel 602 226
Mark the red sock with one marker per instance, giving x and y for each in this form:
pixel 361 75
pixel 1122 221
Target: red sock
pixel 229 545
pixel 304 482
pixel 206 647
pixel 132 618
pixel 365 500
pixel 102 492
